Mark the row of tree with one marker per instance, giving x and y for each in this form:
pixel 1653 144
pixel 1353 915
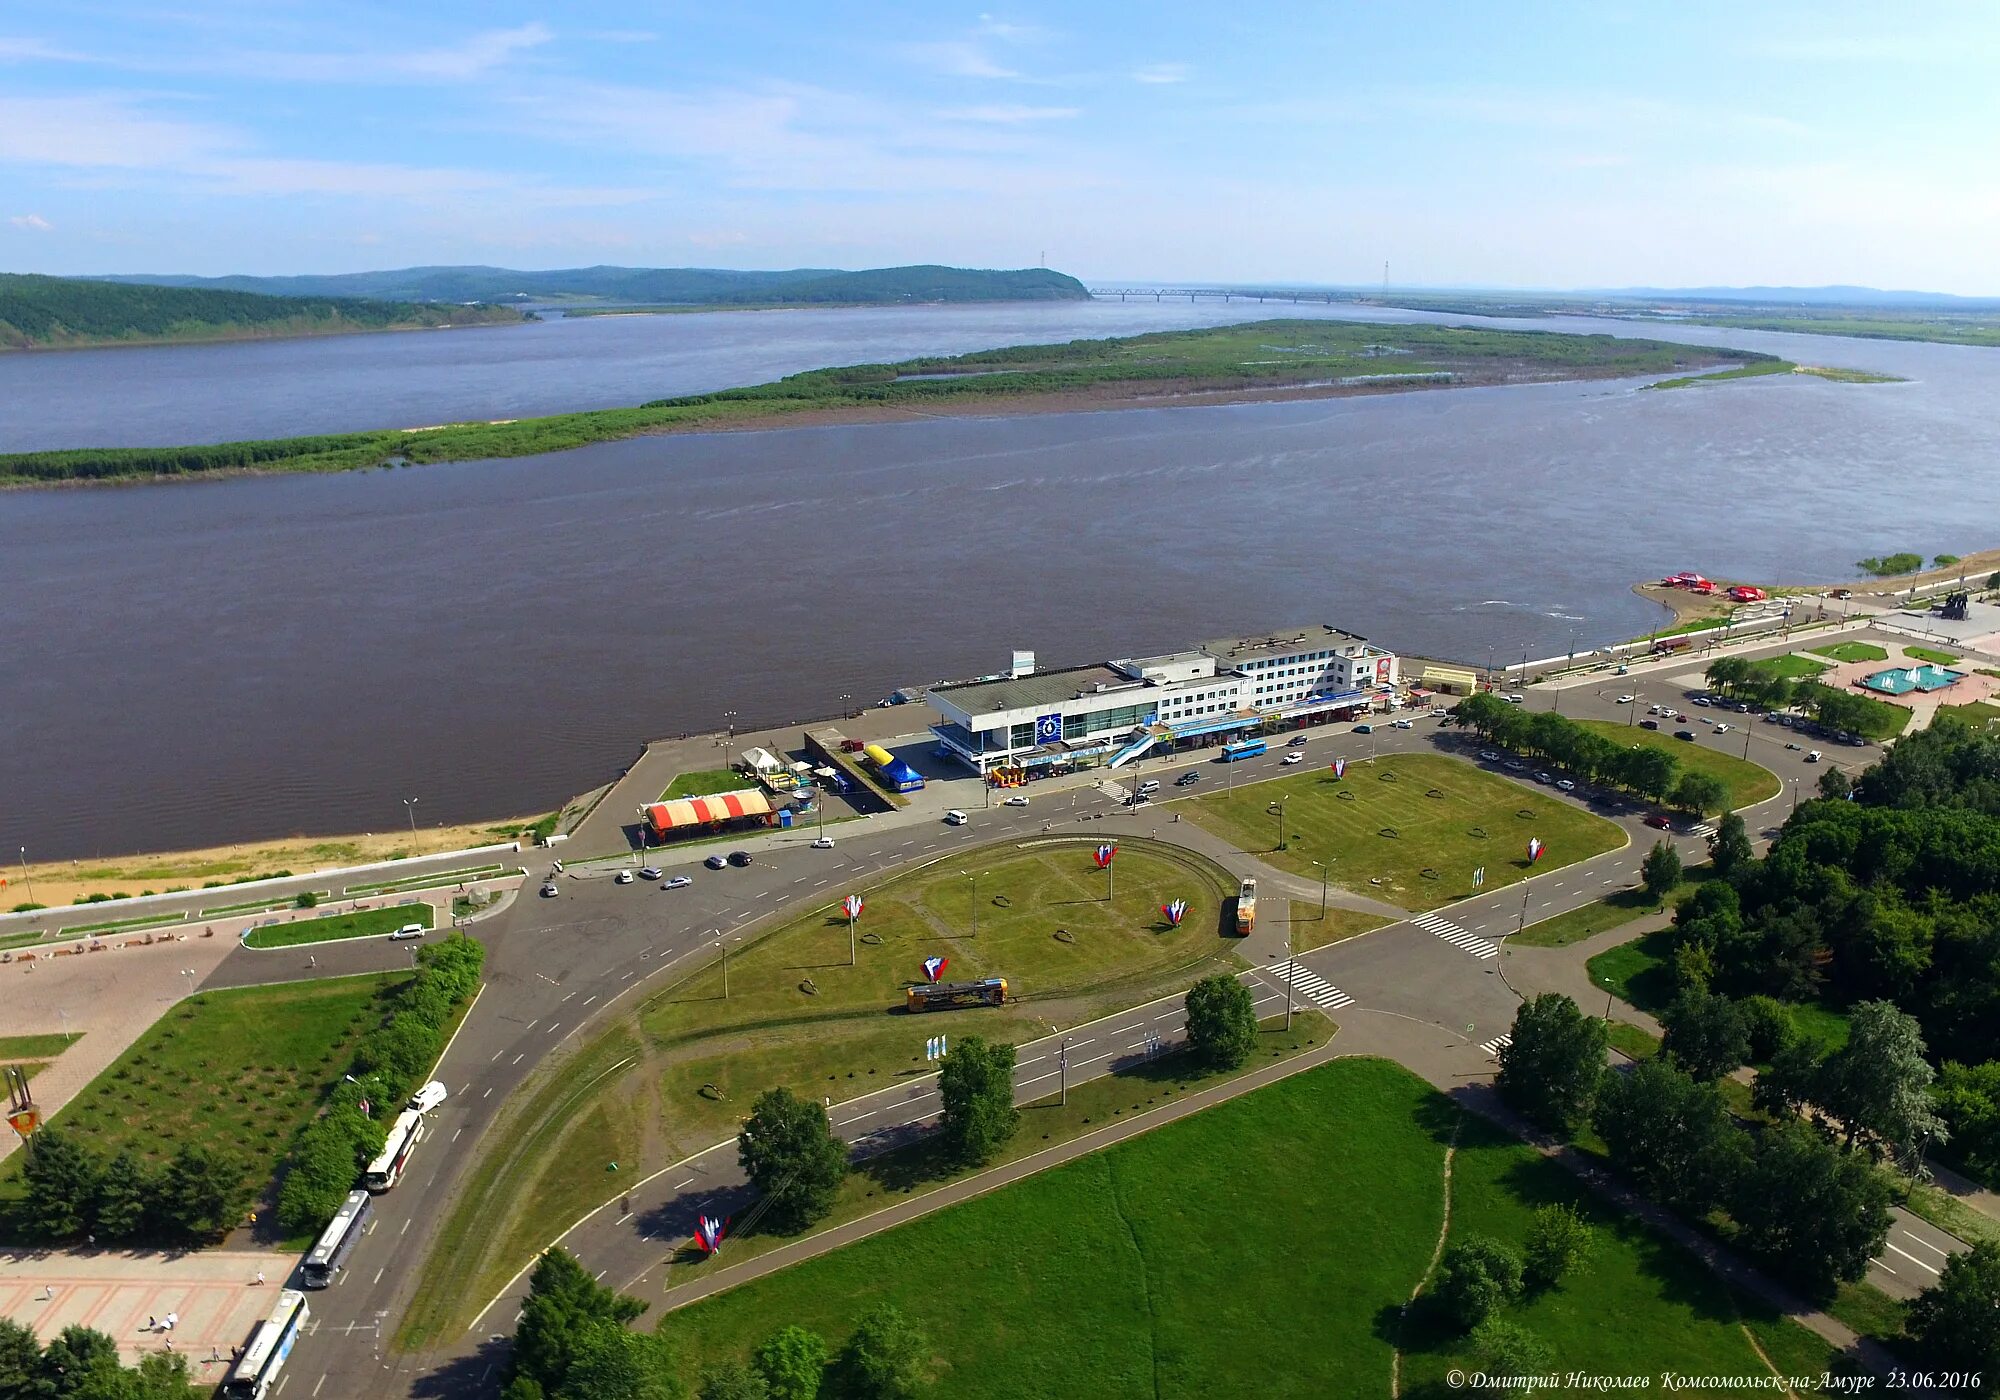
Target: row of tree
pixel 81 1363
pixel 1759 683
pixel 74 1192
pixel 1642 769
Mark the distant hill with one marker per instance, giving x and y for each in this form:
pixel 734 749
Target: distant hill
pixel 54 312
pixel 655 286
pixel 1806 296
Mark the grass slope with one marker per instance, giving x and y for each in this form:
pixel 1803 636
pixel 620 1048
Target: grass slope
pixel 361 923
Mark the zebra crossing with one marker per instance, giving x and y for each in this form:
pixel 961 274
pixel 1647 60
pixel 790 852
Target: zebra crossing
pixel 1458 937
pixel 1313 987
pixel 1494 1046
pixel 1702 830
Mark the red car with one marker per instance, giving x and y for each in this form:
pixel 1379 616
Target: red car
pixel 1654 819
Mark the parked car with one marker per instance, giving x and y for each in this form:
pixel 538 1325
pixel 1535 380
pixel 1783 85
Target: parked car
pixel 427 1098
pixel 717 862
pixel 1545 777
pixel 1296 741
pixel 1489 756
pixel 1794 745
pixel 1721 728
pixel 678 882
pixel 407 931
pixel 649 872
pixel 739 858
pixel 1701 700
pixel 1687 734
pixel 1649 724
pixel 1364 729
pixel 623 877
pixel 1565 785
pixel 1292 758
pixel 548 889
pixel 822 843
pixel 1017 800
pixel 1659 821
pixel 1517 698
pixel 1517 765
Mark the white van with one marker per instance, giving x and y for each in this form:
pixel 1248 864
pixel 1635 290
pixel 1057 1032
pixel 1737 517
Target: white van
pixel 955 817
pixel 1151 785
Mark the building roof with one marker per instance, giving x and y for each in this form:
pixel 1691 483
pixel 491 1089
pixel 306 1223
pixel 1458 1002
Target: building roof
pixel 700 811
pixel 1026 692
pixel 1287 641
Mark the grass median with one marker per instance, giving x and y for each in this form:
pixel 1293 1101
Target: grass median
pixel 1409 829
pixel 361 923
pixel 35 1047
pixel 1748 783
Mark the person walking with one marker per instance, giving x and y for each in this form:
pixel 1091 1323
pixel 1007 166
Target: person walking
pixel 260 1279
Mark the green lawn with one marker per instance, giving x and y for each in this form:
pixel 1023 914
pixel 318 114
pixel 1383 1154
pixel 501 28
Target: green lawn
pixel 1598 916
pixel 1750 371
pixel 1748 783
pixel 1791 668
pixel 1932 655
pixel 708 780
pixel 1639 973
pixel 1311 929
pixel 362 923
pixel 1409 829
pixel 240 1069
pixel 35 1047
pixel 1978 714
pixel 1632 1042
pixel 1277 1235
pixel 1852 651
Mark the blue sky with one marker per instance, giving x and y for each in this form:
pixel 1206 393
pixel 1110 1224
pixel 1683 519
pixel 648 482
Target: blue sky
pixel 1536 145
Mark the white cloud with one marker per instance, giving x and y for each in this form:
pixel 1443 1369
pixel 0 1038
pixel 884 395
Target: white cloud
pixel 1009 115
pixel 15 49
pixel 1161 73
pixel 1014 33
pixel 476 55
pixel 956 58
pixel 34 222
pixel 102 131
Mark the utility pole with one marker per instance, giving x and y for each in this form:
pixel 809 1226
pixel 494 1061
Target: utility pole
pixel 1524 905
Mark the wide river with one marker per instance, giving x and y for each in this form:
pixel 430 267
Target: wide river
pixel 195 663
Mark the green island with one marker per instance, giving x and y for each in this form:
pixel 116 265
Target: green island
pixel 1261 357
pixel 40 313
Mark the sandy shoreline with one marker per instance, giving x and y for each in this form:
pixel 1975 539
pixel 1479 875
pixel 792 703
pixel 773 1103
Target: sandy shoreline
pixel 1688 607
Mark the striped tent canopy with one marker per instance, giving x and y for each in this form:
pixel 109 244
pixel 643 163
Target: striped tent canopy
pixel 684 812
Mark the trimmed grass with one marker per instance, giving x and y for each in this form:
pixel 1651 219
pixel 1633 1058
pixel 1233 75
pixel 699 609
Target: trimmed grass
pixel 1868 1310
pixel 1409 829
pixel 1748 783
pixel 1852 651
pixel 1598 916
pixel 242 1069
pixel 1932 655
pixel 1881 719
pixel 362 923
pixel 1791 668
pixel 1977 714
pixel 35 1047
pixel 1310 930
pixel 1102 1278
pixel 707 781
pixel 1632 1042
pixel 1639 973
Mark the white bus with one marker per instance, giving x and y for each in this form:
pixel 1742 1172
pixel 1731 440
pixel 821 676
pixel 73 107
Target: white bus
pixel 385 1171
pixel 330 1251
pixel 256 1371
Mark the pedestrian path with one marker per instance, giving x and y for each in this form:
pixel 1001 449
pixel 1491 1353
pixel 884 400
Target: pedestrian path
pixel 1701 831
pixel 1313 987
pixel 1458 937
pixel 1494 1046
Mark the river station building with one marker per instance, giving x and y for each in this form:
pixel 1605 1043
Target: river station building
pixel 1033 722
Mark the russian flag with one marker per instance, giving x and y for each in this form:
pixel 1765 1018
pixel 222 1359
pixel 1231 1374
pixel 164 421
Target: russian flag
pixel 1340 768
pixel 708 1234
pixel 852 906
pixel 1175 912
pixel 1105 853
pixel 1534 849
pixel 934 967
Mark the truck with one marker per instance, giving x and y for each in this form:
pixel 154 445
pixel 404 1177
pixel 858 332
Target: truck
pixel 944 996
pixel 1246 907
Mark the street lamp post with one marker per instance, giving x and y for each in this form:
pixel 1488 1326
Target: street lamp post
pixel 410 807
pixel 729 723
pixel 719 943
pixel 26 878
pixel 1062 1069
pixel 973 877
pixel 188 973
pixel 1634 708
pixel 1280 806
pixel 1291 971
pixel 1795 795
pixel 1322 890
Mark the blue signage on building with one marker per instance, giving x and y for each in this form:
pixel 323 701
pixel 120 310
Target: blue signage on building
pixel 1048 728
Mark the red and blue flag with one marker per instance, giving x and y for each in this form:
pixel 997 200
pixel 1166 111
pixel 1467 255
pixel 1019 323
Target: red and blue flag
pixel 708 1234
pixel 1175 912
pixel 1535 849
pixel 1340 768
pixel 851 906
pixel 934 967
pixel 1105 854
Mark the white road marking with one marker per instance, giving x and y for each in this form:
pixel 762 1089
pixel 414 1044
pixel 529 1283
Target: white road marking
pixel 455 1133
pixel 532 1024
pixel 553 1025
pixel 405 1230
pixel 1497 1044
pixel 1912 1258
pixel 589 999
pixel 1459 938
pixel 685 1184
pixel 1926 1244
pixel 1314 987
pixel 518 1058
pixel 489 1092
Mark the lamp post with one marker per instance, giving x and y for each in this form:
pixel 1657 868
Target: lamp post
pixel 1322 890
pixel 188 973
pixel 1279 807
pixel 26 878
pixel 729 723
pixel 1634 708
pixel 724 947
pixel 1291 971
pixel 1062 1068
pixel 973 877
pixel 410 807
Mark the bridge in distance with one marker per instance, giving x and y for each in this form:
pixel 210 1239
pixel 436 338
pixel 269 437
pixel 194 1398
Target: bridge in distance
pixel 1223 294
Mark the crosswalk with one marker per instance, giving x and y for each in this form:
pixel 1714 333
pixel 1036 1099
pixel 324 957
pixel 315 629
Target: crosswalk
pixel 1494 1046
pixel 1702 830
pixel 1458 937
pixel 1313 987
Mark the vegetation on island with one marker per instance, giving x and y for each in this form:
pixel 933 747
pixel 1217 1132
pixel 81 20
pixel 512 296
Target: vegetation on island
pixel 1264 356
pixel 67 312
pixel 1889 565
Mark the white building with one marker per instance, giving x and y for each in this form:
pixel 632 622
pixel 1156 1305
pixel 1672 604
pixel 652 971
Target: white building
pixel 1112 712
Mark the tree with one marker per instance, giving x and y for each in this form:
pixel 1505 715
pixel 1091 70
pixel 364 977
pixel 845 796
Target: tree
pixel 1729 849
pixel 201 1192
pixel 1661 870
pixel 1834 784
pixel 563 1302
pixel 20 1359
pixel 124 1194
pixel 1968 1100
pixel 1816 1214
pixel 887 1358
pixel 1509 1351
pixel 1474 1278
pixel 792 1157
pixel 1550 1069
pixel 159 1376
pixel 1558 1241
pixel 732 1380
pixel 976 1084
pixel 611 1362
pixel 1699 793
pixel 1221 1021
pixel 1766 1024
pixel 1671 1135
pixel 62 1176
pixel 82 1362
pixel 1879 1082
pixel 1955 1323
pixel 1792 1082
pixel 792 1361
pixel 1706 1034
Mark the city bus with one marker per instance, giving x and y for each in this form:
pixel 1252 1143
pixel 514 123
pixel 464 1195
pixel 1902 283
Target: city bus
pixel 386 1170
pixel 256 1371
pixel 337 1241
pixel 1246 907
pixel 942 996
pixel 1243 748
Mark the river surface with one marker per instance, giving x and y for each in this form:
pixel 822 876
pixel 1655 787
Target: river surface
pixel 194 663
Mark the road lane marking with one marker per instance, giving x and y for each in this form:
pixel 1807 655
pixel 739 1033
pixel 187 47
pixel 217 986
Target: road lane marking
pixel 1911 1257
pixel 518 1058
pixel 589 999
pixel 455 1133
pixel 532 1024
pixel 385 1269
pixel 683 1185
pixel 553 1025
pixel 489 1090
pixel 406 1228
pixel 1919 1240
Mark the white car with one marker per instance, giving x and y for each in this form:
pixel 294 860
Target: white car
pixel 549 890
pixel 623 877
pixel 1292 758
pixel 1017 800
pixel 1812 755
pixel 427 1098
pixel 678 882
pixel 649 873
pixel 1565 785
pixel 1626 699
pixel 1721 728
pixel 407 931
pixel 822 843
pixel 1402 724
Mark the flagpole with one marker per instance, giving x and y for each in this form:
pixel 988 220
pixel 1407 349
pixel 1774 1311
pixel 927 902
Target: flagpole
pixel 1062 1069
pixel 1524 905
pixel 850 941
pixel 1290 971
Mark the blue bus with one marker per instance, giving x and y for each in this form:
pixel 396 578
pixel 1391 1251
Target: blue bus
pixel 1243 748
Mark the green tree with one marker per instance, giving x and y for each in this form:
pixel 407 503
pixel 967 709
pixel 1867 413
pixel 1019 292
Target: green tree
pixel 1729 850
pixel 1792 1080
pixel 887 1358
pixel 201 1192
pixel 1661 870
pixel 1671 1135
pixel 124 1195
pixel 563 1302
pixel 20 1359
pixel 1834 785
pixel 1221 1021
pixel 976 1085
pixel 1474 1278
pixel 82 1363
pixel 1509 1351
pixel 612 1362
pixel 792 1361
pixel 62 1177
pixel 1968 1100
pixel 1550 1069
pixel 1814 1213
pixel 1705 1035
pixel 1955 1323
pixel 791 1156
pixel 1879 1082
pixel 159 1376
pixel 1766 1024
pixel 1558 1242
pixel 732 1380
pixel 1699 793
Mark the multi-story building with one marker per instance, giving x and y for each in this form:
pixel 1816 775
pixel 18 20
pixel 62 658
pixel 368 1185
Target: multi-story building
pixel 1111 712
